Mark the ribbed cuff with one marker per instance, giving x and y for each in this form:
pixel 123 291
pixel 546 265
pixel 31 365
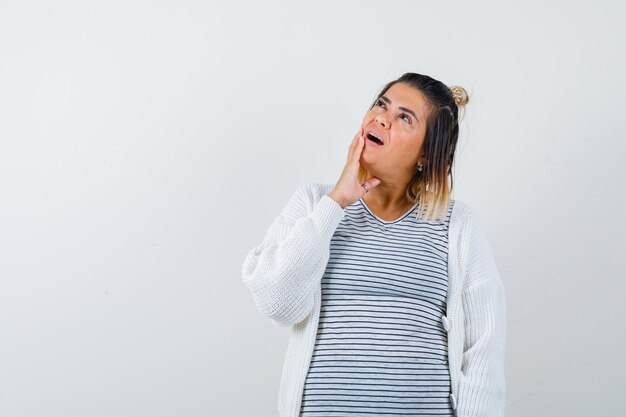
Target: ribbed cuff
pixel 326 216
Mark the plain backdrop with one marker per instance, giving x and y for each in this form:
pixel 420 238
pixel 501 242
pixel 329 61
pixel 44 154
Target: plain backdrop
pixel 146 147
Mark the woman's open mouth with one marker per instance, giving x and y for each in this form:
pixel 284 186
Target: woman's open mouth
pixel 374 140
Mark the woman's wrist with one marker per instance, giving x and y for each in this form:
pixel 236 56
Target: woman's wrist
pixel 337 199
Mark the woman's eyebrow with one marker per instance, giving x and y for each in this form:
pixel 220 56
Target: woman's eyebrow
pixel 386 100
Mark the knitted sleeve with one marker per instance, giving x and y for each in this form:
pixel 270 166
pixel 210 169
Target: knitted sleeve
pixel 283 271
pixel 482 379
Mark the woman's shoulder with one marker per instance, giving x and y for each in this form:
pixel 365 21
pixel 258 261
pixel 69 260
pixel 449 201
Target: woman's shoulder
pixel 312 192
pixel 460 208
pixel 319 188
pixel 463 216
pixel 304 199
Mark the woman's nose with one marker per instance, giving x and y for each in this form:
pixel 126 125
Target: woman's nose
pixel 383 122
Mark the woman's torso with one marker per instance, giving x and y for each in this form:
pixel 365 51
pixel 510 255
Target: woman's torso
pixel 381 346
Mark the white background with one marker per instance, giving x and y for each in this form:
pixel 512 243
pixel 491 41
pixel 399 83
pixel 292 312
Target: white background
pixel 145 147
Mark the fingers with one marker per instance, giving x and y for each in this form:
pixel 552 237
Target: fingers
pixel 356 137
pixel 372 182
pixel 354 145
pixel 358 147
pixel 355 140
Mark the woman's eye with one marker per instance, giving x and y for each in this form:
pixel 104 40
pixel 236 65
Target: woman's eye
pixel 404 115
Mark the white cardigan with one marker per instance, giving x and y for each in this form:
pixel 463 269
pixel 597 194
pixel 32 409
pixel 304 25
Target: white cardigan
pixel 284 272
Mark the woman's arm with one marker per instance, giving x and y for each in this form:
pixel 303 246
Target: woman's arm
pixel 482 381
pixel 283 271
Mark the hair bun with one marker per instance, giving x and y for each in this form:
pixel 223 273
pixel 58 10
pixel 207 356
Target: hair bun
pixel 460 95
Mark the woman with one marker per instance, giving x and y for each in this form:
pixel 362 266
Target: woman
pixel 394 300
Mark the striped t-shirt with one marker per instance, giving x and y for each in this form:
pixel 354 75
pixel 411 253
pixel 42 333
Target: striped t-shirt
pixel 381 344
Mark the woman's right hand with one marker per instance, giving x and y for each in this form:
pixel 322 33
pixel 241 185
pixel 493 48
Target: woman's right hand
pixel 348 189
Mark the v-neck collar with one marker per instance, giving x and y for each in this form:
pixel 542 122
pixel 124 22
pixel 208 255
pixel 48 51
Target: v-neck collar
pixel 386 221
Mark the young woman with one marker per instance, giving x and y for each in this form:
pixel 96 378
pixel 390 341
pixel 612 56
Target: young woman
pixel 389 286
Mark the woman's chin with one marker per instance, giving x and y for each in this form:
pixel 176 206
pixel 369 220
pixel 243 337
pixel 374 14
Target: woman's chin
pixel 368 158
pixel 369 164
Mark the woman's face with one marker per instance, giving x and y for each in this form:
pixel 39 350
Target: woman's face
pixel 399 120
